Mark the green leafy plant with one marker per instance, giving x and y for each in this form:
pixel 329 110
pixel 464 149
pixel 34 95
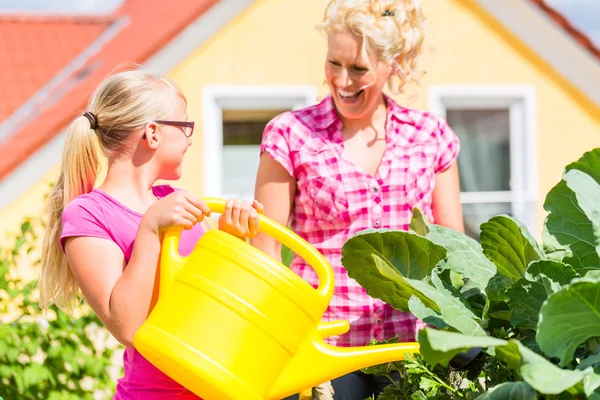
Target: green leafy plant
pixel 509 318
pixel 49 355
pixel 419 379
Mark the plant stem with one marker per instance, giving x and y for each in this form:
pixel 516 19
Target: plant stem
pixel 441 382
pixel 444 384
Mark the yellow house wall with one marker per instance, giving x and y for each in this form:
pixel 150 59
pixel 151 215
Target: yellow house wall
pixel 273 43
pixel 466 47
pixel 30 204
pixel 472 51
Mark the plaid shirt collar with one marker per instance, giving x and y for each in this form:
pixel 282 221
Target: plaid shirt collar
pixel 326 117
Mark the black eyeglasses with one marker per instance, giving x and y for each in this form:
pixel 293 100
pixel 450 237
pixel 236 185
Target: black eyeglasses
pixel 187 125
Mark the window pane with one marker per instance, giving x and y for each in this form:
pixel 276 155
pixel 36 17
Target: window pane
pixel 484 160
pixel 242 134
pixel 477 213
pixel 240 165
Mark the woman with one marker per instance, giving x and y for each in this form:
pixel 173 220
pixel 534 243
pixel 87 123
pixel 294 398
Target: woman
pixel 359 160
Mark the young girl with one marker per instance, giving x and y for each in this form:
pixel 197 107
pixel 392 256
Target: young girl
pixel 359 160
pixel 106 241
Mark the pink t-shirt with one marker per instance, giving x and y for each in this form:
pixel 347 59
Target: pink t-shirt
pixel 97 214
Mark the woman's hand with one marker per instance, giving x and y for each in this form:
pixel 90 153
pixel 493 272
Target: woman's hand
pixel 177 209
pixel 240 218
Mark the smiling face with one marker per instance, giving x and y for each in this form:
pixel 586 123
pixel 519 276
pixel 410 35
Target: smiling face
pixel 356 89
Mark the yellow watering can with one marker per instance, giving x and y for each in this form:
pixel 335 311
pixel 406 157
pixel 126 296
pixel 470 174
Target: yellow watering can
pixel 232 323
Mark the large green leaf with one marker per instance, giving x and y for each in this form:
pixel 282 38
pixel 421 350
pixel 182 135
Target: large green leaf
pixel 591 383
pixel 544 376
pixel 508 243
pixel 569 234
pixel 524 300
pixel 525 297
pixel 588 163
pixel 591 361
pixel 464 256
pixel 587 192
pixel 439 347
pixel 497 287
pixel 425 314
pixel 381 261
pixel 418 223
pixel 593 273
pixel 551 274
pixel 569 317
pixel 453 311
pixel 509 391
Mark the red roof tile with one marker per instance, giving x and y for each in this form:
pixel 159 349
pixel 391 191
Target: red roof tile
pixel 568 27
pixel 141 28
pixel 36 49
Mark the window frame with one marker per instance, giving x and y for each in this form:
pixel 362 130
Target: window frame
pixel 218 98
pixel 520 102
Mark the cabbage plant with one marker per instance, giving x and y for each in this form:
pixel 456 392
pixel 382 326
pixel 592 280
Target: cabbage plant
pixel 508 317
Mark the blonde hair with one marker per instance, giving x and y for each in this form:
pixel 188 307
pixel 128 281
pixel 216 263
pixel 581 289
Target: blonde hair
pixel 392 30
pixel 122 103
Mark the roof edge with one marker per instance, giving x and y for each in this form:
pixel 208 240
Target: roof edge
pixel 17 179
pixel 524 25
pixel 576 33
pixel 53 90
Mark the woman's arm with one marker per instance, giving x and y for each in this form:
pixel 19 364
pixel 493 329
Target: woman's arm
pixel 447 210
pixel 275 189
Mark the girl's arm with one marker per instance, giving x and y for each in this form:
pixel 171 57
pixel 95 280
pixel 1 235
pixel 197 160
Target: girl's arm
pixel 447 210
pixel 276 190
pixel 120 296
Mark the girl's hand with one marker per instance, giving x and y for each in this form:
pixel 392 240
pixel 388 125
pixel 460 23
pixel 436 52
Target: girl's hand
pixel 240 218
pixel 177 209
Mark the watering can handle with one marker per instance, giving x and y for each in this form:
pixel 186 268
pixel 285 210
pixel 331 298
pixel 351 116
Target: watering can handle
pixel 280 233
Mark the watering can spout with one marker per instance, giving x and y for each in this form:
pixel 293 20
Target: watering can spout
pixel 317 362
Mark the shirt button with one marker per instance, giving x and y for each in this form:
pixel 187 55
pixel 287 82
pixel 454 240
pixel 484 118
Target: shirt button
pixel 375 189
pixel 377 223
pixel 379 321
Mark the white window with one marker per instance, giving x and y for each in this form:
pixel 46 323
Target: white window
pixel 234 119
pixel 497 158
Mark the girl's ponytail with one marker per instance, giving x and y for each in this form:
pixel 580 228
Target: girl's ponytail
pixel 79 170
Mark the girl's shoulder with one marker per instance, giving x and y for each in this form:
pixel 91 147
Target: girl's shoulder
pixel 161 191
pixel 89 203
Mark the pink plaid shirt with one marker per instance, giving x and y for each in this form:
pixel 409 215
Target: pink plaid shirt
pixel 335 199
